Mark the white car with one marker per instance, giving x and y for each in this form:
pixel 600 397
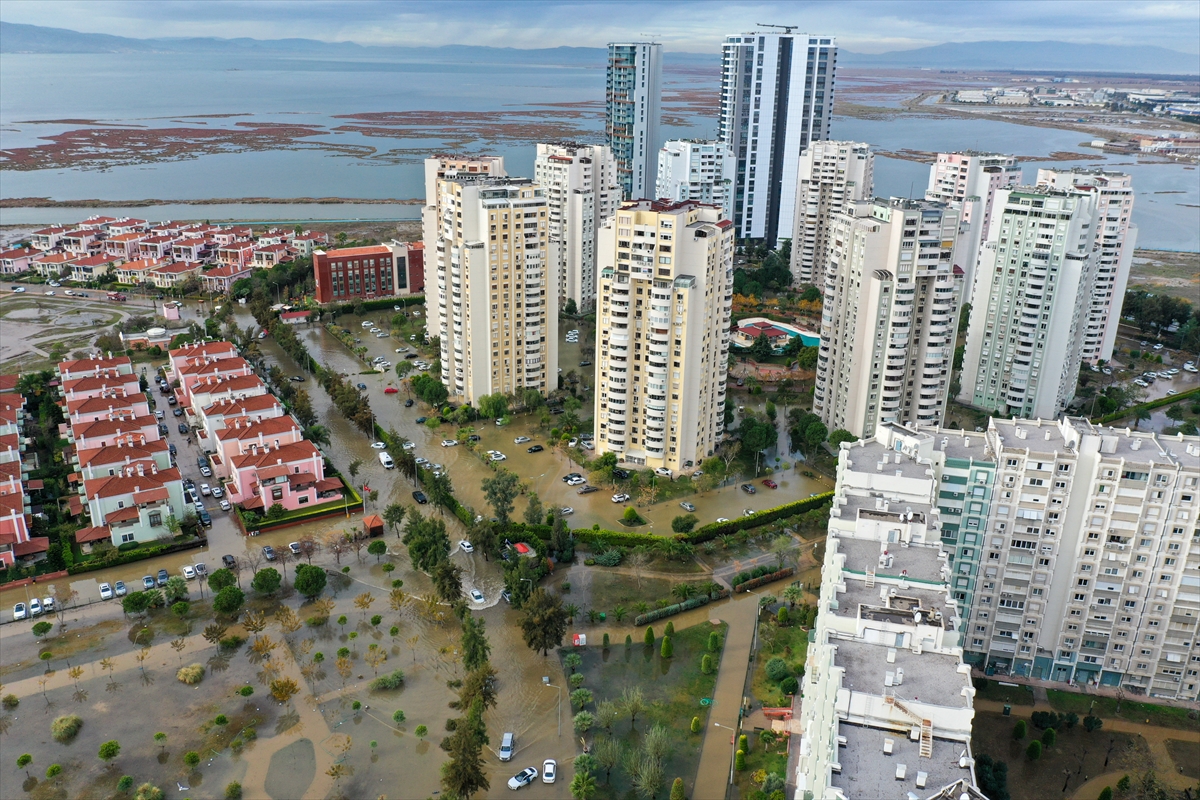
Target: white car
pixel 576 481
pixel 663 471
pixel 35 607
pixel 549 770
pixel 422 461
pixel 378 446
pixel 1190 368
pixel 19 290
pixel 401 349
pixel 722 519
pixel 477 596
pixel 189 572
pixel 205 489
pixel 566 511
pixel 367 323
pixel 449 442
pixel 225 506
pixel 466 546
pixel 499 457
pixel 573 443
pixel 620 497
pixel 218 492
pixel 522 440
pixel 20 612
pixel 523 778
pixel 106 592
pixel 55 284
pixel 51 293
pixel 409 446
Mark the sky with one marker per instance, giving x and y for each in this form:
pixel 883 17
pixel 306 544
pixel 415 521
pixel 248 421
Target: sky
pixel 866 26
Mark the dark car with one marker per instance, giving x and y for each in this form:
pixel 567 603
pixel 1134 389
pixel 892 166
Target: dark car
pixel 537 448
pixel 162 429
pixel 474 437
pixel 172 449
pixel 408 403
pixel 420 497
pixel 178 411
pixel 228 561
pixel 269 553
pixel 557 410
pixel 748 489
pixel 205 519
pixel 585 363
pixel 413 355
pixel 421 420
pixel 589 489
pixel 623 474
pixel 297 379
pixel 362 386
pixel 183 428
pixel 163 575
pixel 188 483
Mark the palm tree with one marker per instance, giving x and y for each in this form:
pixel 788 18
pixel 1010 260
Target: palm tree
pixel 572 612
pixel 317 434
pixel 583 786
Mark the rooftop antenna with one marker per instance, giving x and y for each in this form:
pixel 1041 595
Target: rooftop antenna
pixel 786 28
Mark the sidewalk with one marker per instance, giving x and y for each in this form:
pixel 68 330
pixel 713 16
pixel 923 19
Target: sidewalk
pixel 716 753
pixel 1040 686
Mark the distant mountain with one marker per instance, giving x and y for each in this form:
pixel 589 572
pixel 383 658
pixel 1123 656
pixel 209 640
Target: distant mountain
pixel 1058 56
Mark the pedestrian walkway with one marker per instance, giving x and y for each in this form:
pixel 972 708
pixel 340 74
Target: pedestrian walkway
pixel 717 752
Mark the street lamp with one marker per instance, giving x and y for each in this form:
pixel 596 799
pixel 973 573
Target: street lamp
pixel 546 682
pixel 732 747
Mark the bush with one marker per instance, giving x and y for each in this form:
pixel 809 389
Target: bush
pixel 1049 737
pixel 1034 751
pixel 233 791
pixel 392 680
pixel 421 730
pixel 191 758
pixel 670 610
pixel 609 558
pixel 246 691
pixel 695 724
pixel 777 669
pixel 742 583
pixel 1106 793
pixel 398 716
pixel 148 791
pixel 631 517
pixel 125 784
pixel 191 674
pixel 231 642
pixel 221 719
pixel 11 701
pixel 1019 730
pixel 789 685
pixel 1092 723
pixel 668 649
pixel 684 523
pixel 739 761
pixel 781 617
pixel 706 664
pixel 65 727
pixel 583 722
pixel 714 642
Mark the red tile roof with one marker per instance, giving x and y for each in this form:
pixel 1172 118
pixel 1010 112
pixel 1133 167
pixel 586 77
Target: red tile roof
pixel 95 534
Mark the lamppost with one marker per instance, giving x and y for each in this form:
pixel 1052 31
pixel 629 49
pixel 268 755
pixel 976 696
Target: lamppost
pixel 546 682
pixel 732 749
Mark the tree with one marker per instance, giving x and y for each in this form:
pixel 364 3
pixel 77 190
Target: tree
pixel 580 698
pixel 228 601
pixel 109 750
pixel 668 649
pixel 176 589
pixel 535 514
pixel 1034 751
pixel 377 548
pixel 135 603
pixel 191 759
pixel 544 621
pixel 393 515
pixel 583 786
pixel 40 629
pixel 677 792
pixel 1019 730
pixel 23 762
pixel 684 523
pixel 1049 736
pixel 500 491
pixel 220 579
pixel 447 581
pixel 1092 723
pixel 266 581
pixel 761 349
pixel 648 639
pixel 634 703
pixel 283 689
pixel 310 580
pixel 475 647
pixel 354 467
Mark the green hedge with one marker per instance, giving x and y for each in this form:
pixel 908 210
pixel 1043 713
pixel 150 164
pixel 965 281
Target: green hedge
pixel 1148 406
pixel 140 554
pixel 677 608
pixel 375 305
pixel 355 503
pixel 715 529
pixel 754 583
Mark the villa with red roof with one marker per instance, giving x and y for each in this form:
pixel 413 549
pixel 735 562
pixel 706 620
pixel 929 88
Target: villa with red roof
pixel 237 253
pixel 47 238
pixel 80 242
pixel 242 435
pixel 173 274
pixel 14 528
pixel 121 407
pixel 292 475
pixel 92 267
pixel 306 242
pixel 104 433
pixel 95 367
pixel 126 225
pixel 777 333
pixel 295 317
pixel 270 255
pixel 14 262
pixel 136 503
pixel 210 390
pixel 156 246
pixel 214 417
pixel 51 265
pixel 125 246
pixel 135 272
pixel 97 223
pixel 105 384
pixel 198 371
pixel 196 250
pixel 220 279
pixel 105 462
pixel 201 353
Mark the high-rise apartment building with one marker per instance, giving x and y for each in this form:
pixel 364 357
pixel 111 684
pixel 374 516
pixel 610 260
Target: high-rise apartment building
pixel 1073 548
pixel 633 112
pixel 1116 238
pixel 693 169
pixel 1032 295
pixel 971 179
pixel 776 98
pixel 662 334
pixel 496 308
pixel 581 192
pixel 891 300
pixel 888 700
pixel 437 168
pixel 832 174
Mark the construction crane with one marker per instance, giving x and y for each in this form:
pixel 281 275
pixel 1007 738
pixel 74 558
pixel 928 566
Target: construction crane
pixel 786 28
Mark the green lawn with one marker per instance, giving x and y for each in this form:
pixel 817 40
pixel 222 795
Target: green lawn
pixel 608 589
pixel 1106 707
pixel 788 643
pixel 771 758
pixel 1016 695
pixel 673 689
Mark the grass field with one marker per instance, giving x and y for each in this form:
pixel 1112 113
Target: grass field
pixel 1013 695
pixel 1166 272
pixel 1106 707
pixel 788 643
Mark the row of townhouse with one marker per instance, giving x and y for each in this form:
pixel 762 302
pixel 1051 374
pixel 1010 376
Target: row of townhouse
pixel 252 445
pixel 16 507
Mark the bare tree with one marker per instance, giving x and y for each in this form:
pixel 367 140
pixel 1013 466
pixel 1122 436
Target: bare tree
pixel 308 546
pixel 637 560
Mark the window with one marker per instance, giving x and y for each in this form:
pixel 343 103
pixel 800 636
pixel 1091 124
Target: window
pixel 155 519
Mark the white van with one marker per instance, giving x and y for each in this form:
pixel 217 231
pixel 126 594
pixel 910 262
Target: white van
pixel 386 460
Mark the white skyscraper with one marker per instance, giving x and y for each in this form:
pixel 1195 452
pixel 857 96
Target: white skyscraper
pixel 891 294
pixel 776 98
pixel 1033 290
pixel 581 191
pixel 633 111
pixel 662 333
pixel 1116 239
pixel 691 169
pixel 972 179
pixel 496 309
pixel 832 175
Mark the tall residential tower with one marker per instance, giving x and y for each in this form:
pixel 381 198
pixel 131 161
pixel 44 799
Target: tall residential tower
pixel 832 175
pixel 776 98
pixel 691 169
pixel 633 109
pixel 581 191
pixel 662 333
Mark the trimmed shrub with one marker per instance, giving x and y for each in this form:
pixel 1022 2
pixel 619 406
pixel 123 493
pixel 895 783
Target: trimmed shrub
pixel 761 580
pixel 669 630
pixel 789 685
pixel 64 728
pixel 706 664
pixel 191 674
pixel 695 724
pixel 1049 737
pixel 777 669
pixel 677 608
pixel 739 761
pixel 714 642
pixel 668 649
pixel 246 691
pixel 233 791
pixel 1034 751
pixel 1106 793
pixel 1020 730
pixel 398 716
pixel 392 680
pixel 11 701
pixel 649 637
pixel 609 558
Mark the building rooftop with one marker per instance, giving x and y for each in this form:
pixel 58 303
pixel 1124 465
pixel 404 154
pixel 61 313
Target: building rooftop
pixel 919 562
pixel 869 774
pixel 964 445
pixel 926 678
pixel 899 608
pixel 874 456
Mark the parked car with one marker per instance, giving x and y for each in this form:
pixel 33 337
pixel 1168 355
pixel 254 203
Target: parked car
pixel 588 490
pixel 201 569
pixel 163 577
pixel 269 552
pixel 663 471
pixel 206 472
pixel 205 490
pixel 466 546
pixel 297 379
pixel 106 592
pixel 498 456
pixel 508 745
pixel 623 474
pixel 189 572
pixel 420 420
pixel 577 480
pixel 119 589
pixel 391 390
pixel 378 446
pixel 523 778
pixel 522 440
pixel 218 492
pixel 178 412
pixel 549 770
pixel 686 506
pixel 20 612
pixel 228 561
pixel 571 475
pixel 566 511
pixel 537 448
pixel 770 484
pixel 420 497
pixel 408 403
pixel 147 582
pixel 620 497
pixel 748 489
pixel 449 442
pixel 35 608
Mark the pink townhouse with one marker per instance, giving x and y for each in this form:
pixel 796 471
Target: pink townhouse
pixel 239 253
pixel 91 268
pixel 195 250
pixel 306 242
pixel 14 529
pixel 219 280
pixel 124 246
pixel 292 475
pixel 270 255
pixel 126 225
pixel 156 246
pixel 190 354
pixel 47 238
pixel 116 406
pixel 212 390
pixel 81 242
pixel 95 368
pixel 105 462
pixel 137 431
pixel 214 417
pixel 105 385
pixel 242 434
pixel 200 371
pixel 14 262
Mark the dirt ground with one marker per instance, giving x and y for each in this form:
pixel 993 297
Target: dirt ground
pixel 1166 272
